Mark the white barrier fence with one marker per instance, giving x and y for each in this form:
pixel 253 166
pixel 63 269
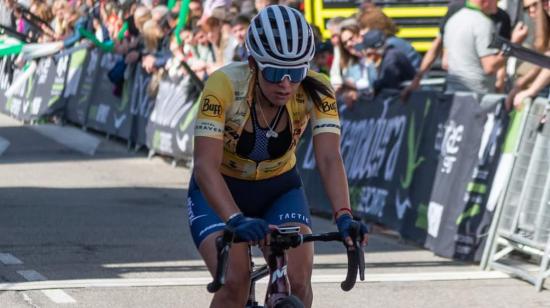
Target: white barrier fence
pixel 519 241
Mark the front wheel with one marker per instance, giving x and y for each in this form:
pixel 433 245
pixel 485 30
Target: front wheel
pixel 290 301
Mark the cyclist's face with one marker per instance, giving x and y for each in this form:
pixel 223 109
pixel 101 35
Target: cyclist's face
pixel 278 93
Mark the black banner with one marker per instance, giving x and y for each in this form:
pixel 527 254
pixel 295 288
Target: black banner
pixel 383 144
pixel 77 106
pixel 37 95
pixel 6 76
pixel 108 112
pixel 18 104
pixel 141 105
pixel 457 215
pixel 75 73
pixel 49 83
pixel 170 129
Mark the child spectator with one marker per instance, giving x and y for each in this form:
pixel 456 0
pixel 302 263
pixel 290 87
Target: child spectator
pixel 239 26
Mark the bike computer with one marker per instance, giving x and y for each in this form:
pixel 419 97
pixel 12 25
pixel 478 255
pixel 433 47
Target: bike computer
pixel 289 230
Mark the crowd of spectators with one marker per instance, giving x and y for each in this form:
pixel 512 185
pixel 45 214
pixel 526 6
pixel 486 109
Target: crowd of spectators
pixel 147 32
pixel 362 57
pixel 472 65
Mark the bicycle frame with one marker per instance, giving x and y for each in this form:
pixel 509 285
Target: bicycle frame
pixel 278 284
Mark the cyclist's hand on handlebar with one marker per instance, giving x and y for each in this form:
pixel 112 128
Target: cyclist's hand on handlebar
pixel 345 224
pixel 248 229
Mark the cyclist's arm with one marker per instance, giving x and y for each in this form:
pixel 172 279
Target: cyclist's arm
pixel 326 141
pixel 331 167
pixel 208 150
pixel 207 158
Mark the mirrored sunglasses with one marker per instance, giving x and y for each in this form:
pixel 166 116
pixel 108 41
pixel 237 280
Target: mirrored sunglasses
pixel 276 75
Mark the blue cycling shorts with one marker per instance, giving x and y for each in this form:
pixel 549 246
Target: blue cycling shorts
pixel 277 200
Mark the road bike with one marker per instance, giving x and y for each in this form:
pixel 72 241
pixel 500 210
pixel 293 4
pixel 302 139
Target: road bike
pixel 281 239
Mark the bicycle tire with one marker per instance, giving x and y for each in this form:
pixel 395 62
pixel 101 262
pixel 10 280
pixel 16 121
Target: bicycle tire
pixel 290 301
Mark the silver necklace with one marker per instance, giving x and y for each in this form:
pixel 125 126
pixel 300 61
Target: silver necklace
pixel 271 133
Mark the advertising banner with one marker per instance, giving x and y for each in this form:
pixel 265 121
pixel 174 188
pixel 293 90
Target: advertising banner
pixel 170 127
pixel 458 220
pixel 20 92
pixel 77 107
pixel 141 105
pixel 49 83
pixel 6 76
pixel 383 144
pixel 108 112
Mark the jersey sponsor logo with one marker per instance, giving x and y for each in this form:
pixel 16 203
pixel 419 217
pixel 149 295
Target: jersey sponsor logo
pixel 329 108
pixel 211 107
pixel 207 127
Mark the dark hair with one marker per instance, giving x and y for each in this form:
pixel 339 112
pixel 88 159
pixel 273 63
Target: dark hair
pixel 315 88
pixel 240 20
pixel 375 18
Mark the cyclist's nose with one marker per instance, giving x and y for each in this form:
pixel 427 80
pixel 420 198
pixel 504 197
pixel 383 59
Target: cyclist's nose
pixel 285 83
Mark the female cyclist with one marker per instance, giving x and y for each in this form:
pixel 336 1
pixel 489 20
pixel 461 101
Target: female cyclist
pixel 250 119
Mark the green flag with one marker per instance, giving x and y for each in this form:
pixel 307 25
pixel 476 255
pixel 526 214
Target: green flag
pixel 10 47
pixel 108 46
pixel 122 31
pixel 182 19
pixel 171 4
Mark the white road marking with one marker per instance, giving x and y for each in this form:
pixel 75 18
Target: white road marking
pixel 4 144
pixel 55 294
pixel 31 275
pixel 202 281
pixel 70 137
pixel 59 296
pixel 9 259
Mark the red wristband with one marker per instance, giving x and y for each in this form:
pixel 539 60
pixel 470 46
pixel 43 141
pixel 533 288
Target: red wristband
pixel 344 209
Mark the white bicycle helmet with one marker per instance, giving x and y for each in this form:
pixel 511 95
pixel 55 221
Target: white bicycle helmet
pixel 279 36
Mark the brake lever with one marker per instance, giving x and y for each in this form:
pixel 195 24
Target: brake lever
pixel 223 244
pixel 354 260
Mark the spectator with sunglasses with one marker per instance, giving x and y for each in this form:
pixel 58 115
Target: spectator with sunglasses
pixel 251 117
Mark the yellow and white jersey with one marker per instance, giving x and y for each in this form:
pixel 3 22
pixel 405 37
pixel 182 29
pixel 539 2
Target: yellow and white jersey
pixel 225 107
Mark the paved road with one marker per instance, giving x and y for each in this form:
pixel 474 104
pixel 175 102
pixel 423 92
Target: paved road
pixel 85 223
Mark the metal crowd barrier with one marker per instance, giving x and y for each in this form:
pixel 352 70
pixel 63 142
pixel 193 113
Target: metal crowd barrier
pixel 523 222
